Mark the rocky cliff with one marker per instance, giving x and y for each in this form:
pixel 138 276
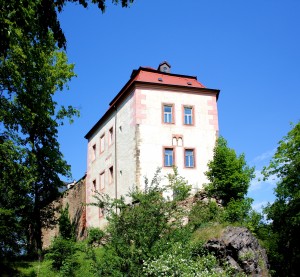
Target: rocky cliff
pixel 241 250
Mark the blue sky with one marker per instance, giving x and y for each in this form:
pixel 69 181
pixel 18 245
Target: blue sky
pixel 250 50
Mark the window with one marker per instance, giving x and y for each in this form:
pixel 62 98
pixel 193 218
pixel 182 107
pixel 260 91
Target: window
pixel 111 175
pixel 94 149
pixel 102 180
pixel 188 115
pixel 189 158
pixel 177 140
pixel 168 157
pixel 94 185
pixel 111 136
pixel 101 212
pixel 168 113
pixel 102 143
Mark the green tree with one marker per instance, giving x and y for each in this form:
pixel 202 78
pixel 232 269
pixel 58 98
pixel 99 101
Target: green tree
pixel 284 213
pixel 141 230
pixel 30 74
pixel 229 174
pixel 40 16
pixel 13 200
pixel 31 71
pixel 62 251
pixel 66 227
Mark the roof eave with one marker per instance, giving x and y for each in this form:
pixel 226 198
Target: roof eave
pixel 129 87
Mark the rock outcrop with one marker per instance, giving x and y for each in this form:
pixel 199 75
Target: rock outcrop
pixel 241 250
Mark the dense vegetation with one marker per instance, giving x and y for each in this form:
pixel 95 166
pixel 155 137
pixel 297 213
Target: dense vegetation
pixel 33 68
pixel 147 237
pixel 283 239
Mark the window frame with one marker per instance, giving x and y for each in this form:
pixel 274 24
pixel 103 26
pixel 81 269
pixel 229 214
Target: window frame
pixel 177 138
pixel 110 136
pixel 173 156
pixel 172 105
pixel 94 151
pixel 193 156
pixel 102 182
pixel 94 183
pixel 192 115
pixel 102 139
pixel 101 213
pixel 111 175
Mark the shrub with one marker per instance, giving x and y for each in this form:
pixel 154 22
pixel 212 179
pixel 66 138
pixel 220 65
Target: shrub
pixel 237 210
pixel 95 235
pixel 179 186
pixel 179 262
pixel 141 230
pixel 66 227
pixel 203 212
pixel 62 255
pixel 229 174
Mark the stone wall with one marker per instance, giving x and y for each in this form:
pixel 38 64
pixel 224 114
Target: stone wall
pixel 75 197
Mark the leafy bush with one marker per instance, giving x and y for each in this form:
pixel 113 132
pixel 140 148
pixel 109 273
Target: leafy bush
pixel 95 235
pixel 179 186
pixel 62 255
pixel 180 262
pixel 203 212
pixel 237 210
pixel 66 228
pixel 254 222
pixel 63 248
pixel 229 174
pixel 141 230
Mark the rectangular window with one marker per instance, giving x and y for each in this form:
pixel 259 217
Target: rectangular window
pixel 188 115
pixel 102 143
pixel 94 152
pixel 168 157
pixel 102 181
pixel 101 212
pixel 94 185
pixel 189 158
pixel 111 175
pixel 111 136
pixel 168 113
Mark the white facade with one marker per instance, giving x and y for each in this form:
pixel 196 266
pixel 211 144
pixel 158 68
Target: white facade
pixel 157 120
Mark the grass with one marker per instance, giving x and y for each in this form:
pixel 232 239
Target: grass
pixel 87 258
pixel 212 230
pixel 35 269
pixel 84 257
pixel 209 231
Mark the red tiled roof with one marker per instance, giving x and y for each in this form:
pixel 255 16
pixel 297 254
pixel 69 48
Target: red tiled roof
pixel 167 79
pixel 151 76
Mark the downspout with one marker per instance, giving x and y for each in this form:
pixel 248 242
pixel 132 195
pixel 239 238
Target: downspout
pixel 116 167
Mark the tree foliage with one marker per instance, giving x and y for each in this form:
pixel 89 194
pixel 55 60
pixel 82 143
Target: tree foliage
pixel 284 213
pixel 13 200
pixel 178 185
pixel 30 74
pixel 229 174
pixel 31 71
pixel 62 252
pixel 40 16
pixel 66 227
pixel 141 230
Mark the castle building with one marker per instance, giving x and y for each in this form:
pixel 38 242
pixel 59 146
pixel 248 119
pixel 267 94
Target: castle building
pixel 158 119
